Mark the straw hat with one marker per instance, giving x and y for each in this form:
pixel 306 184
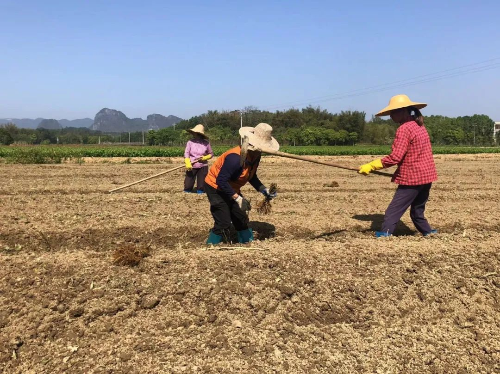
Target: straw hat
pixel 398 102
pixel 259 137
pixel 198 129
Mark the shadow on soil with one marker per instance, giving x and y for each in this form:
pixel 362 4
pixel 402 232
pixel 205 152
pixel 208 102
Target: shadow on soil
pixel 262 230
pixel 378 219
pixel 102 240
pixel 328 234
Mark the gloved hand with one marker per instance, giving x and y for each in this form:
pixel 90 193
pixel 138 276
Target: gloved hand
pixel 243 203
pixel 265 191
pixel 371 166
pixel 187 161
pixel 206 158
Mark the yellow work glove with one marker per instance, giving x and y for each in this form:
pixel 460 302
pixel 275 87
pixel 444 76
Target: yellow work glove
pixel 371 166
pixel 206 157
pixel 187 161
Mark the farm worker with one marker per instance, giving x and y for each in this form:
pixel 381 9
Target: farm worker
pixel 198 151
pixel 225 179
pixel 412 152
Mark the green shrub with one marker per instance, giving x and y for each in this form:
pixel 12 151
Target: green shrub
pixel 33 156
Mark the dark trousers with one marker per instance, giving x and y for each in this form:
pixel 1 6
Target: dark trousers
pixel 406 196
pixel 224 211
pixel 197 175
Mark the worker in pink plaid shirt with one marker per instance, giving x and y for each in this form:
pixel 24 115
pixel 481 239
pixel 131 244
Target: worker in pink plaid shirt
pixel 412 152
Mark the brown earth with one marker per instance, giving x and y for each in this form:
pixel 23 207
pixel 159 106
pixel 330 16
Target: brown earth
pixel 316 294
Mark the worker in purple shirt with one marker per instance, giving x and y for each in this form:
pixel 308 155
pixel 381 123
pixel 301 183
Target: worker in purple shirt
pixel 198 151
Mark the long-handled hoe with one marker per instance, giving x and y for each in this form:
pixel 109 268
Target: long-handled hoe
pixel 150 177
pixel 244 150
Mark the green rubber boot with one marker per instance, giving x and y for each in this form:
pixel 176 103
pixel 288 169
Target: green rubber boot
pixel 245 236
pixel 213 238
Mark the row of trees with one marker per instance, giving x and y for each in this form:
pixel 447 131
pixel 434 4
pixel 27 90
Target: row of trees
pixel 468 130
pixel 309 126
pixel 10 133
pixel 314 126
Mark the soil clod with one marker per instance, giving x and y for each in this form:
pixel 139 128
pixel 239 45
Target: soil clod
pixel 331 184
pixel 129 255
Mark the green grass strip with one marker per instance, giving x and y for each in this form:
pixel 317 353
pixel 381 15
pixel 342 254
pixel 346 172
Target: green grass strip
pixel 56 154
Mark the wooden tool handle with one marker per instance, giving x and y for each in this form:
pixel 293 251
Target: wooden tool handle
pixel 153 176
pixel 145 179
pixel 309 159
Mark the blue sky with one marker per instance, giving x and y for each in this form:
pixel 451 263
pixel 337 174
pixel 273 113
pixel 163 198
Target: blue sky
pixel 69 59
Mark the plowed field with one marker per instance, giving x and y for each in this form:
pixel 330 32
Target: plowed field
pixel 316 293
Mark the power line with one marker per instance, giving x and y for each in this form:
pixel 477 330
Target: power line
pixel 458 71
pixel 493 66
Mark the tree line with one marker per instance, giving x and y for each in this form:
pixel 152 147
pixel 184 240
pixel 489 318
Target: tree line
pixel 11 134
pixel 308 126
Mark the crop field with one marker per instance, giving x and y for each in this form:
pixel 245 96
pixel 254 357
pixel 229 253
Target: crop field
pixel 63 153
pixel 93 282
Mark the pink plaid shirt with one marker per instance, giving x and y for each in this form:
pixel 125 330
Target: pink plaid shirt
pixel 412 152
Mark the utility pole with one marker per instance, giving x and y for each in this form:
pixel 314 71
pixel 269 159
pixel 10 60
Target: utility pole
pixel 129 137
pixel 143 137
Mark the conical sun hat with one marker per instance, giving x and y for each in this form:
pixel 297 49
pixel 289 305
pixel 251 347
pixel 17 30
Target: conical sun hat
pixel 398 102
pixel 259 137
pixel 198 129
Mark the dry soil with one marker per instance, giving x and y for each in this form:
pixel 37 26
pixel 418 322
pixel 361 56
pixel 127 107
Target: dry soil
pixel 316 293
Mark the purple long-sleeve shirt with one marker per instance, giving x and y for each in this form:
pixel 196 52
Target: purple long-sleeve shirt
pixel 196 148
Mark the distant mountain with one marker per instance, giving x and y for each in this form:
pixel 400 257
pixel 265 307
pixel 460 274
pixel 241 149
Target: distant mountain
pixel 28 123
pixel 106 120
pixel 157 121
pixel 49 124
pixel 83 122
pixel 25 123
pixel 111 120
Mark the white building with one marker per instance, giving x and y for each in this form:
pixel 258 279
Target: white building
pixel 496 129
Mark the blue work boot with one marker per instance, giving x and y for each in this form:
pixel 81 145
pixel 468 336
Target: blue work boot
pixel 430 233
pixel 382 234
pixel 213 238
pixel 199 192
pixel 188 191
pixel 245 236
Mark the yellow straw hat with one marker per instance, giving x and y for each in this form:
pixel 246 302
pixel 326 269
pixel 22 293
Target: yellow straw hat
pixel 198 129
pixel 398 102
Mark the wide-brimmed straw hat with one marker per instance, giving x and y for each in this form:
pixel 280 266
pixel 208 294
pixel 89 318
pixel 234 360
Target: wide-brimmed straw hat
pixel 198 129
pixel 259 137
pixel 398 102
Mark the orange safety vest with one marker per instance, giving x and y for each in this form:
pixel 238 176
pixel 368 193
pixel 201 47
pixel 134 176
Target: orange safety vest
pixel 247 173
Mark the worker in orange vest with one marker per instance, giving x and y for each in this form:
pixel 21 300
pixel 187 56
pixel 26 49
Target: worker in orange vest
pixel 226 177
